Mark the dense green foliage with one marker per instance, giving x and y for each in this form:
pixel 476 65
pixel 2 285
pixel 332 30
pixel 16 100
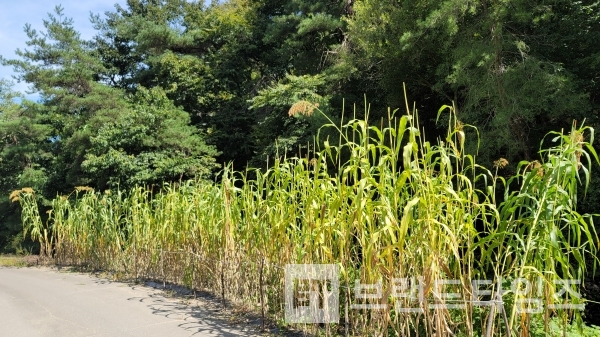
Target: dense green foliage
pixel 513 67
pixel 172 90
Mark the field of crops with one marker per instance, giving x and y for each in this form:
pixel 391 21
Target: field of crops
pixel 381 203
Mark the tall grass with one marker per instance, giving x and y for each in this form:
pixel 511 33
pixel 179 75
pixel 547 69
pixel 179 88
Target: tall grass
pixel 398 208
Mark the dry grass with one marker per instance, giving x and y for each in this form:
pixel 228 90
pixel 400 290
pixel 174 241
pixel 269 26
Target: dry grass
pixel 18 260
pixel 399 207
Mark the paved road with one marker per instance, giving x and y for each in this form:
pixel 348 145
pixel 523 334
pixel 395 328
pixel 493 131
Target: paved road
pixel 44 302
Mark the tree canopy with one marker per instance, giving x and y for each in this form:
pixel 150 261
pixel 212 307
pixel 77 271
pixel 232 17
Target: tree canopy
pixel 169 90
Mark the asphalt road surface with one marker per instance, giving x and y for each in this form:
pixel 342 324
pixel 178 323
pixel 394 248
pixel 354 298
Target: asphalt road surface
pixel 45 302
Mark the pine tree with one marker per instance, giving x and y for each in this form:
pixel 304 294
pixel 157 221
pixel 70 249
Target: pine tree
pixel 83 113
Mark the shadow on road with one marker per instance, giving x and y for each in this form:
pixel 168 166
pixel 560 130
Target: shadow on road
pixel 203 315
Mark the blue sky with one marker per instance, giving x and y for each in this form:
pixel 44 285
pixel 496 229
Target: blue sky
pixel 14 14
